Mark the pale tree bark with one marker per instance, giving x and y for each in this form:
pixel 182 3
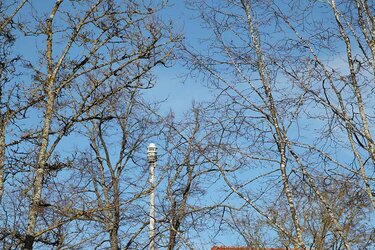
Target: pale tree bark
pixel 270 83
pixel 9 19
pixel 353 130
pixel 42 159
pixel 366 21
pixel 359 99
pixel 97 72
pixel 280 140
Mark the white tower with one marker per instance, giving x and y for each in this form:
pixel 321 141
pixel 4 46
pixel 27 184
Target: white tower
pixel 151 158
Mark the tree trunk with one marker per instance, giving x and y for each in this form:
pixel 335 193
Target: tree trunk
pixel 42 156
pixel 2 157
pixel 113 234
pixel 172 238
pixel 113 237
pixel 173 229
pixel 38 183
pixel 262 69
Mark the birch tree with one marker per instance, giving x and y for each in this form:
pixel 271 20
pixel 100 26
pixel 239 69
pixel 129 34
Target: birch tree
pixel 288 114
pixel 83 47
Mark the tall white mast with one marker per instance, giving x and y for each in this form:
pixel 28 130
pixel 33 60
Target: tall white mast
pixel 151 158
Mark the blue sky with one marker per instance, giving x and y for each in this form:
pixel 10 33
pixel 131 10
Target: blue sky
pixel 171 83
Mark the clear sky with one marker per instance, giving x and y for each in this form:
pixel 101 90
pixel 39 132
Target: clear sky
pixel 172 82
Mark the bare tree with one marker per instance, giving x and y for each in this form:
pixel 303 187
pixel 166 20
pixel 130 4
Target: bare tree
pixel 282 105
pixel 282 154
pixel 318 227
pixel 188 176
pixel 85 47
pixel 14 100
pixel 111 181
